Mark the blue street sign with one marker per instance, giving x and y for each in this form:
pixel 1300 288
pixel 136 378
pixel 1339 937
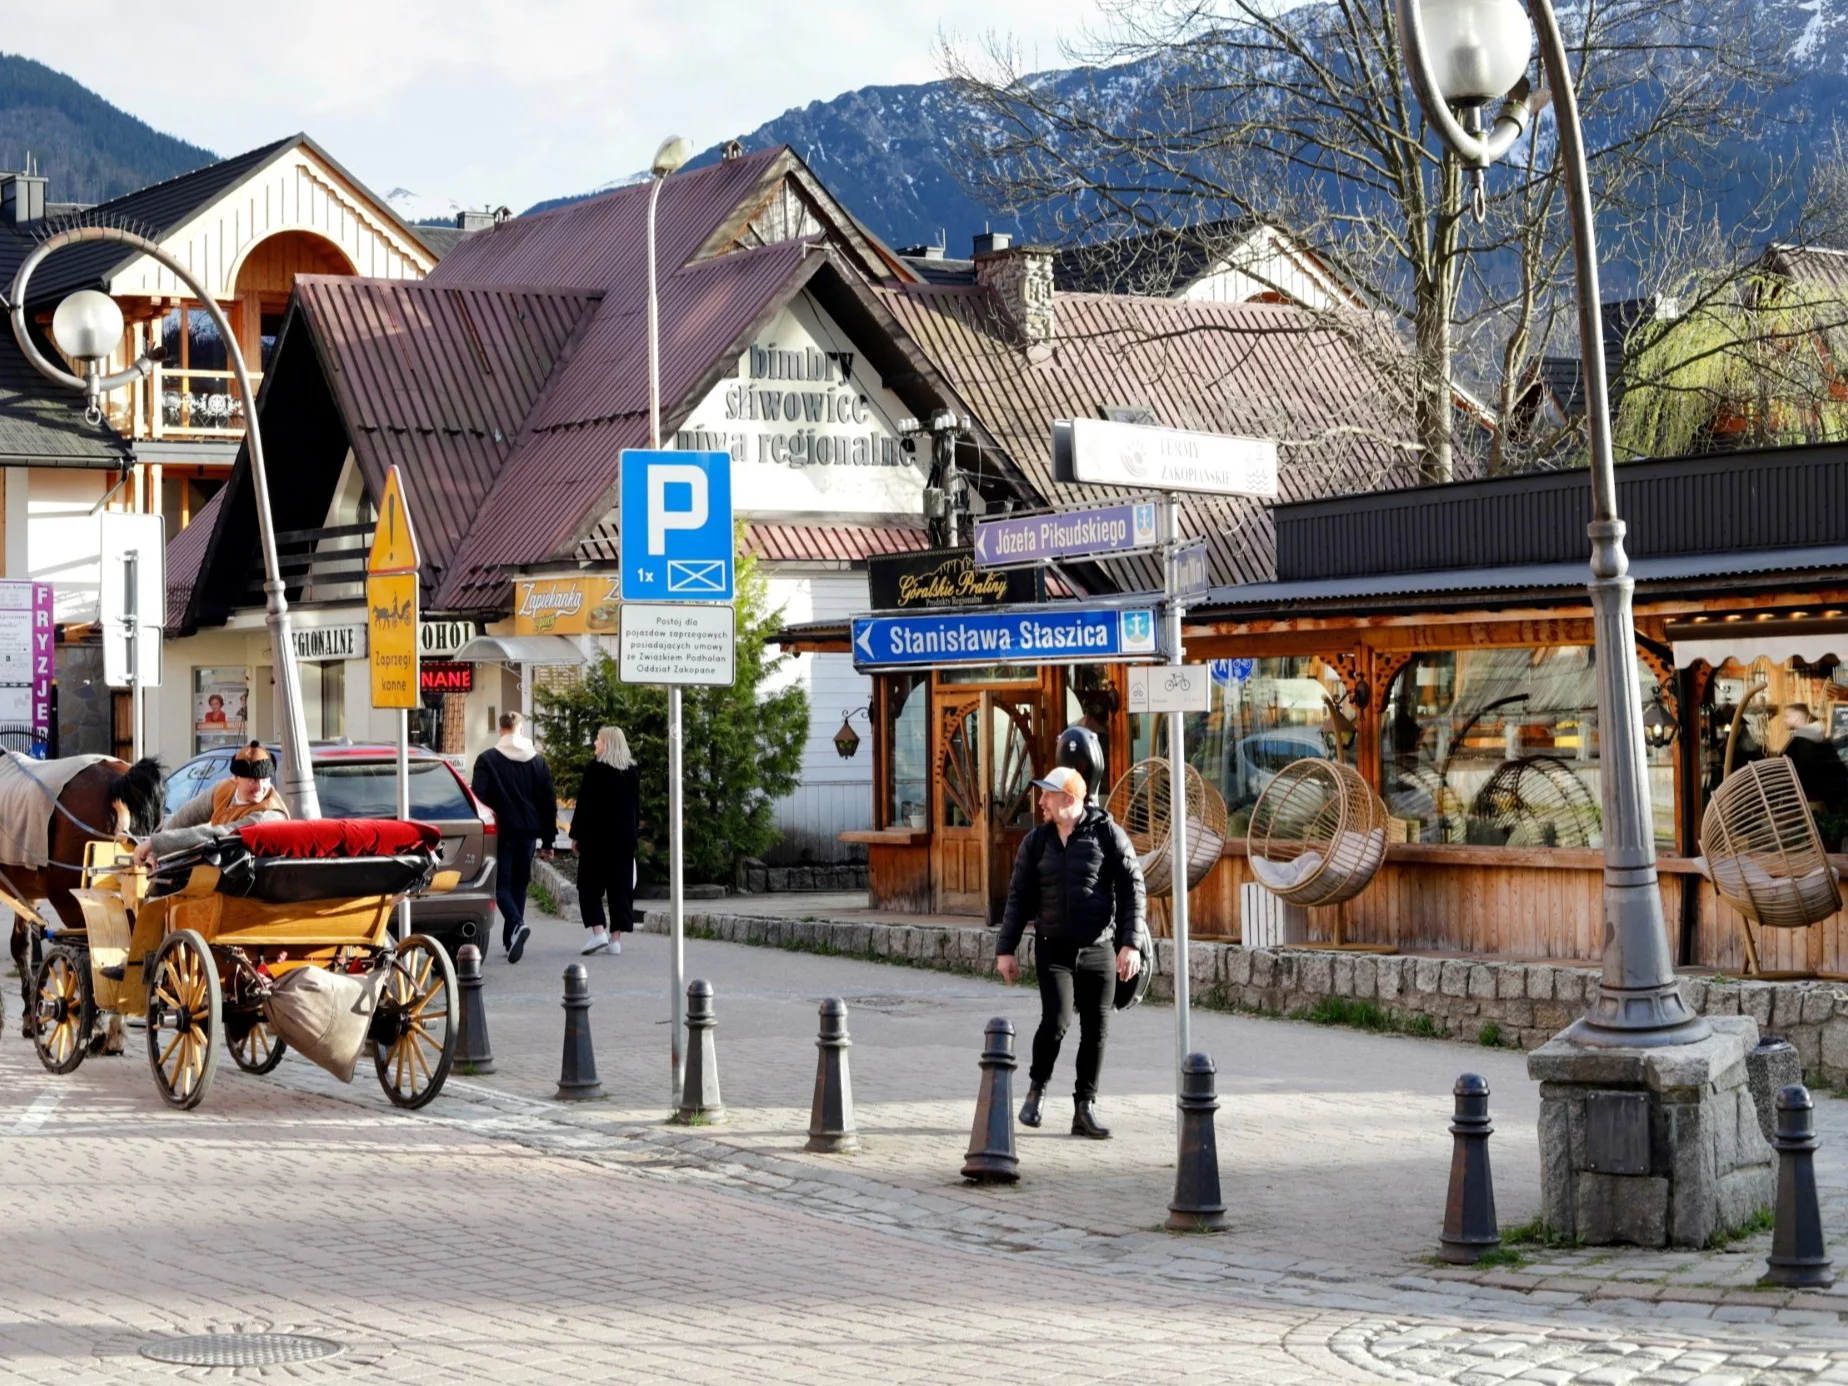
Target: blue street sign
pixel 1044 635
pixel 676 526
pixel 1230 671
pixel 1191 573
pixel 1099 529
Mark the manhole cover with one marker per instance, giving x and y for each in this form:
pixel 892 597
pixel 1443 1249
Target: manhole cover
pixel 241 1349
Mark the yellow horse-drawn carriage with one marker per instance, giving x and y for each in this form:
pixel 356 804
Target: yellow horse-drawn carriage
pixel 278 933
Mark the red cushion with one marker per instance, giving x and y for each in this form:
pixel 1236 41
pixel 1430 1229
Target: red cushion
pixel 339 837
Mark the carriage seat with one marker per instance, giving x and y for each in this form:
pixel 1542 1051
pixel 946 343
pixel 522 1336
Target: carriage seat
pixel 296 862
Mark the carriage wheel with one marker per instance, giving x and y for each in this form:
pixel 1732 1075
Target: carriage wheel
pixel 258 1049
pixel 63 1008
pixel 414 1031
pixel 185 1026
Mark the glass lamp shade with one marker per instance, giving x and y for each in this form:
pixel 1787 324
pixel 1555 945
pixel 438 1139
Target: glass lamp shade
pixel 674 152
pixel 87 326
pixel 846 740
pixel 1478 48
pixel 1658 727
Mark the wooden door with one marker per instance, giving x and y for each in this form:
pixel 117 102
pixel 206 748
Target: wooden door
pixel 960 834
pixel 1015 723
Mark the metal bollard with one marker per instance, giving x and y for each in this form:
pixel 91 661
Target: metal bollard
pixel 1470 1231
pixel 991 1157
pixel 1197 1206
pixel 831 1117
pixel 1799 1258
pixel 577 1080
pixel 473 1052
pixel 699 1095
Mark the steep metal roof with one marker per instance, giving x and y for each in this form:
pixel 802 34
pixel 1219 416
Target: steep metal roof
pixel 43 422
pixel 186 556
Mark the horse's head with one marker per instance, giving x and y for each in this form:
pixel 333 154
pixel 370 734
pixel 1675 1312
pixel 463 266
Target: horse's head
pixel 135 794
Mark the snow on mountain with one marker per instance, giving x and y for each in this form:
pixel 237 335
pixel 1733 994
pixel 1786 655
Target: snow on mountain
pixel 416 207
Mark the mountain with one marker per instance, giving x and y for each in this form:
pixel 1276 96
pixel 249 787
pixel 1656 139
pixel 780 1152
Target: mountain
pixel 419 209
pixel 90 150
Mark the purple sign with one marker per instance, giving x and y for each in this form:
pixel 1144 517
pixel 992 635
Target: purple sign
pixel 28 660
pixel 44 667
pixel 1016 540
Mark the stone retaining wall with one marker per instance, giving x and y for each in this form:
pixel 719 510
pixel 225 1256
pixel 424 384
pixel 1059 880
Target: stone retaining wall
pixel 1527 1002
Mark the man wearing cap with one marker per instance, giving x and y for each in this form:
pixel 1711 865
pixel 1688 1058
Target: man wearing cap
pixel 249 796
pixel 1078 879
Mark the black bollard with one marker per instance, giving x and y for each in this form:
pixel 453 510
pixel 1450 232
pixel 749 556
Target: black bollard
pixel 1197 1206
pixel 831 1116
pixel 1798 1258
pixel 577 1080
pixel 991 1142
pixel 1470 1231
pixel 473 1052
pixel 699 1095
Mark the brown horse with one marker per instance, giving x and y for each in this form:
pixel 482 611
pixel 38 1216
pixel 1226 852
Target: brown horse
pixel 98 804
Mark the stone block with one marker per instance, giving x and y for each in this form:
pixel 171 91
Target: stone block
pixel 1808 1042
pixel 1427 975
pixel 881 937
pixel 1614 1208
pixel 1389 975
pixel 1722 999
pixel 1454 978
pixel 1238 966
pixel 1519 1014
pixel 1204 961
pixel 1695 991
pixel 1343 977
pixel 1510 980
pixel 1317 971
pixel 1786 1008
pixel 1743 1192
pixel 1481 982
pixel 1263 967
pixel 778 878
pixel 1755 1000
pixel 1556 1172
pixel 1818 1006
pixel 1835 1045
pixel 1540 982
pixel 1164 962
pixel 1366 976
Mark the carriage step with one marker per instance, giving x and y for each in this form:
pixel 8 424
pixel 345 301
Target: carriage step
pixel 116 973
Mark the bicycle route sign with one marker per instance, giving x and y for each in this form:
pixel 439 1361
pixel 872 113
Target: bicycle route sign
pixel 1170 688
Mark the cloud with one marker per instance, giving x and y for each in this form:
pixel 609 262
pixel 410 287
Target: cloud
pixel 493 103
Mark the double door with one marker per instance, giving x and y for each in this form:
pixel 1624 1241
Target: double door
pixel 990 744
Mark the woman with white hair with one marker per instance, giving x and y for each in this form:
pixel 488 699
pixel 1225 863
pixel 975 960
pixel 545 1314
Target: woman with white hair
pixel 604 826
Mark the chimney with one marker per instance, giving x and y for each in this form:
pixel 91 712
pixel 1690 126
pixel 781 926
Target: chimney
pixel 22 198
pixel 1021 277
pixel 990 241
pixel 467 222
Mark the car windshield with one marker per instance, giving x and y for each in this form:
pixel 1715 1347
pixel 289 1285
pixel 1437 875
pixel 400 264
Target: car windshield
pixel 370 790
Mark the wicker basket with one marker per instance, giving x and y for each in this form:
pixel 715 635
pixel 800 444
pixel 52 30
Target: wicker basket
pixel 1140 803
pixel 1318 833
pixel 1763 849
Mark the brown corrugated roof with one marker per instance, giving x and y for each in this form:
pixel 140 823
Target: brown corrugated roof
pixel 842 543
pixel 1271 370
pixel 185 556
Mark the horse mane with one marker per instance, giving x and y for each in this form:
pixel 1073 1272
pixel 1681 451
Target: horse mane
pixel 138 790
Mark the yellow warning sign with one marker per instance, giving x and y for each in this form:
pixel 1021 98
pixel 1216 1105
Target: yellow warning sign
pixel 394 542
pixel 391 616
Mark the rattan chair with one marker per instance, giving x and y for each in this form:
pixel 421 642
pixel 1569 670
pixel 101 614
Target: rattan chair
pixel 1318 833
pixel 1764 853
pixel 1140 803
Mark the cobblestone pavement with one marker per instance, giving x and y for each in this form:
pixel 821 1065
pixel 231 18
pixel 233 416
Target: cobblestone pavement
pixel 499 1235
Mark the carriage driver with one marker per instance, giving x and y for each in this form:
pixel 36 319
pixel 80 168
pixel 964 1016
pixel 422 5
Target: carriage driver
pixel 247 797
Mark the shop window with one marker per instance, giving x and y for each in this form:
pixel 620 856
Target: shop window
pixel 221 708
pixel 1500 747
pixel 907 750
pixel 1791 708
pixel 1265 713
pixel 1090 699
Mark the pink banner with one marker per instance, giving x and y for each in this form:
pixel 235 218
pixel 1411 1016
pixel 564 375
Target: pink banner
pixel 44 667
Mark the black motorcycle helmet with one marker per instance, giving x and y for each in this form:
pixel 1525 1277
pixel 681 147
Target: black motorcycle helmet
pixel 1080 750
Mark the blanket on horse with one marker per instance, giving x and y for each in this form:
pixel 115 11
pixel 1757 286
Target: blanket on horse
pixel 29 791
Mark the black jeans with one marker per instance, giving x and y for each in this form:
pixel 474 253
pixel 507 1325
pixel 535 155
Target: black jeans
pixel 512 873
pixel 610 874
pixel 1073 978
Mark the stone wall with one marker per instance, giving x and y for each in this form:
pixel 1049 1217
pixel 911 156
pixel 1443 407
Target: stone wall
pixel 1527 1002
pixel 757 878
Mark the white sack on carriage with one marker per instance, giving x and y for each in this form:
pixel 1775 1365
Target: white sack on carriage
pixel 326 1016
pixel 29 791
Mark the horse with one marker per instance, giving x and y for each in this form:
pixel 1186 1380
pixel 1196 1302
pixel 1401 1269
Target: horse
pixel 100 803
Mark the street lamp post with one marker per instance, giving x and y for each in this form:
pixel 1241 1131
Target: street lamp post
pixel 674 152
pixel 1476 52
pixel 87 326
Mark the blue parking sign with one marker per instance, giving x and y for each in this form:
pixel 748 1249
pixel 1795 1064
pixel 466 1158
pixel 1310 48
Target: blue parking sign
pixel 676 526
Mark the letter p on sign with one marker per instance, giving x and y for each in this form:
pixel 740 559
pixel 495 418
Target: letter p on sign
pixel 660 517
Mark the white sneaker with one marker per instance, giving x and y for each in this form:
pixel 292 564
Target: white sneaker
pixel 598 941
pixel 615 943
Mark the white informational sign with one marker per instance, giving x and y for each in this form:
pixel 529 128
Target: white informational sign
pixel 687 645
pixel 145 536
pixel 116 668
pixel 1103 453
pixel 439 637
pixel 1170 688
pixel 329 642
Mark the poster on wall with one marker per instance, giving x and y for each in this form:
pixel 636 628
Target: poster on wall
pixel 221 708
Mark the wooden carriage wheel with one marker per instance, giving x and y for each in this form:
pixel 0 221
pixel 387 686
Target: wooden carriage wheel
pixel 259 1048
pixel 63 1009
pixel 1317 834
pixel 185 1018
pixel 414 1030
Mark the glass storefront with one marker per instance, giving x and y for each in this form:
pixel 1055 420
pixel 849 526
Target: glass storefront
pixel 907 749
pixel 1760 707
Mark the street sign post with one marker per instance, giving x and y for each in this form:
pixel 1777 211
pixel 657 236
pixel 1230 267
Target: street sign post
pixel 675 545
pixel 1092 531
pixel 1192 571
pixel 391 634
pixel 1044 635
pixel 133 606
pixel 678 645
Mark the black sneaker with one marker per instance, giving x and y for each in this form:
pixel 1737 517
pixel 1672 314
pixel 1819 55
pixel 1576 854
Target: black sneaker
pixel 518 946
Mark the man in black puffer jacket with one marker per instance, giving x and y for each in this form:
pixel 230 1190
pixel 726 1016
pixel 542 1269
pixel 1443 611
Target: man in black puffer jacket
pixel 1078 879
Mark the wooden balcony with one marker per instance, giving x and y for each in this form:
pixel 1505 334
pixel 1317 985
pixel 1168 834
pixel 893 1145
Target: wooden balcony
pixel 183 403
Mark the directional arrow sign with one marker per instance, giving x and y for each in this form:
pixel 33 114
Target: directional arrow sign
pixel 1045 635
pixel 1017 540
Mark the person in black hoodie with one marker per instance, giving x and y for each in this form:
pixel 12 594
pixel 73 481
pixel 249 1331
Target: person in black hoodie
pixel 513 779
pixel 1077 877
pixel 1819 769
pixel 604 828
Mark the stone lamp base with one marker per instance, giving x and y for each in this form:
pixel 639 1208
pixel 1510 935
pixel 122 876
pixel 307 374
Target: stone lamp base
pixel 1653 1147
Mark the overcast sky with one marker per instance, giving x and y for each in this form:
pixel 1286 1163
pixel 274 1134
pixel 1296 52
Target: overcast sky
pixel 499 101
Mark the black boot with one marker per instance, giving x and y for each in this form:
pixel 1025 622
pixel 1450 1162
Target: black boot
pixel 1085 1123
pixel 1029 1110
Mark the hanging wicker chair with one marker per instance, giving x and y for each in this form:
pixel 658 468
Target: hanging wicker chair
pixel 1764 852
pixel 1140 803
pixel 1318 833
pixel 1534 801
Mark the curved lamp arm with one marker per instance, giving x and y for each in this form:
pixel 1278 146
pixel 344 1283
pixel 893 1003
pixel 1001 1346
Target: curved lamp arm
pixel 298 769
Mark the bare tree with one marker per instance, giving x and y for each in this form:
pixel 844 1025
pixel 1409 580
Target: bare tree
pixel 1193 120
